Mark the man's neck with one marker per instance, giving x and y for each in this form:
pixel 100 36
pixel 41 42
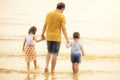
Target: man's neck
pixel 59 10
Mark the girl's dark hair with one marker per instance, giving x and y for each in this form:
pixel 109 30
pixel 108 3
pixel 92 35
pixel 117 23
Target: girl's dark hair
pixel 32 30
pixel 76 35
pixel 60 5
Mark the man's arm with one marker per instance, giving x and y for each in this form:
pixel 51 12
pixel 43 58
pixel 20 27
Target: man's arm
pixel 65 33
pixel 43 31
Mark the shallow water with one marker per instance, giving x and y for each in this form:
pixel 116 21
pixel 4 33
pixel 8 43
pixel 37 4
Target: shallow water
pixel 97 47
pixel 13 68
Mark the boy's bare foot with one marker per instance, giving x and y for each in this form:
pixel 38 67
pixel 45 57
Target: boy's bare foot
pixel 28 71
pixel 52 72
pixel 75 76
pixel 46 70
pixel 37 67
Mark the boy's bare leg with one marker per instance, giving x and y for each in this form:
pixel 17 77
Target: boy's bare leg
pixel 53 63
pixel 48 56
pixel 76 68
pixel 73 67
pixel 77 64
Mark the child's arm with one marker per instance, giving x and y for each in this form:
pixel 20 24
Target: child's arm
pixel 34 38
pixel 24 44
pixel 82 50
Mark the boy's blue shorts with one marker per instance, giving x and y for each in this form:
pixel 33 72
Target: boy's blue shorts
pixel 76 58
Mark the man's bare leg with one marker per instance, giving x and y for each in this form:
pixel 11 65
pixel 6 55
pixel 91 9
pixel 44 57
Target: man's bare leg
pixel 48 56
pixel 53 63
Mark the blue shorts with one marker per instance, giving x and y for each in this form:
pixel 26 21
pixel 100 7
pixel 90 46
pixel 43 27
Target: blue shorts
pixel 53 47
pixel 75 58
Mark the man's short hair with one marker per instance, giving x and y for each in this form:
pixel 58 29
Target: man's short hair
pixel 60 5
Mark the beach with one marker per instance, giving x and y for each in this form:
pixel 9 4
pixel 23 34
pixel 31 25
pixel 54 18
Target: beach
pixel 93 67
pixel 98 22
pixel 97 64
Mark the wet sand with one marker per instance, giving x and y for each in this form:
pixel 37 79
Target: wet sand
pixel 14 68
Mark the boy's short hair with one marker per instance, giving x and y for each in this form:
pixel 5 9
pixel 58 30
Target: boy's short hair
pixel 60 5
pixel 76 35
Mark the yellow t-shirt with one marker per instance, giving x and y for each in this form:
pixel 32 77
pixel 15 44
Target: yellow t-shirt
pixel 54 22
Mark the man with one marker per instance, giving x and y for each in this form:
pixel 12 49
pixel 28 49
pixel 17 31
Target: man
pixel 54 24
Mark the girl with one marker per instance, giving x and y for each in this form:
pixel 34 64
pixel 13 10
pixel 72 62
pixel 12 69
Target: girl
pixel 76 52
pixel 29 47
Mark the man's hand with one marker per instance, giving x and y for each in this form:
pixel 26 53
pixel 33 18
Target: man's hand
pixel 42 37
pixel 68 42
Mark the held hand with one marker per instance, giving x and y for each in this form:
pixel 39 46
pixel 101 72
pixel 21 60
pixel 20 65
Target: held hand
pixel 67 45
pixel 23 49
pixel 68 42
pixel 42 37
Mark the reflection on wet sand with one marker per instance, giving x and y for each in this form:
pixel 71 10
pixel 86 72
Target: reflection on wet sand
pixel 75 77
pixel 31 77
pixel 51 76
pixel 47 75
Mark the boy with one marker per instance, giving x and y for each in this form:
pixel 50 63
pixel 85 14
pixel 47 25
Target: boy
pixel 76 52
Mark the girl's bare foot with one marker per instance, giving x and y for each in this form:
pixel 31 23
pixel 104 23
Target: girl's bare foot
pixel 46 70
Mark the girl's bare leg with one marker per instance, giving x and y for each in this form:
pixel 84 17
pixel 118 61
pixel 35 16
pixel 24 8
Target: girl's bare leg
pixel 35 64
pixel 28 66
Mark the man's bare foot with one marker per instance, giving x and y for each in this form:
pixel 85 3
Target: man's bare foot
pixel 46 70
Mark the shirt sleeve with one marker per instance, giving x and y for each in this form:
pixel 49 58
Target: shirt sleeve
pixel 46 19
pixel 62 20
